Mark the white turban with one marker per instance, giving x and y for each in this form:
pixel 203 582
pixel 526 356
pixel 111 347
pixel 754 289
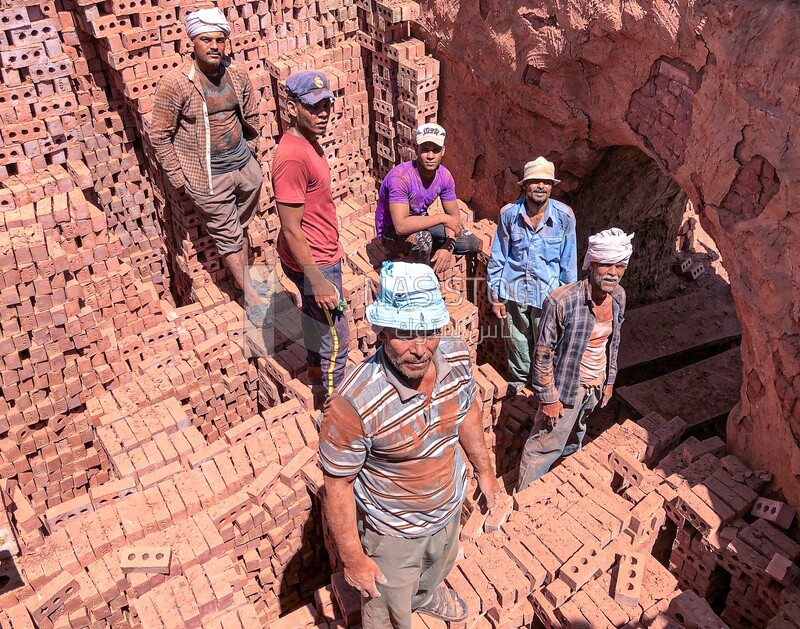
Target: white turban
pixel 206 21
pixel 610 246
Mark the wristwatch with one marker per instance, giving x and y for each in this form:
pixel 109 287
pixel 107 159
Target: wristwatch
pixel 449 244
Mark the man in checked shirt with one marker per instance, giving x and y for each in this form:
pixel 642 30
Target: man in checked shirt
pixel 395 479
pixel 575 362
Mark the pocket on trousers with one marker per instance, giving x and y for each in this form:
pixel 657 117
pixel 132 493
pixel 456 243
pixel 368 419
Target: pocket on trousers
pixel 371 541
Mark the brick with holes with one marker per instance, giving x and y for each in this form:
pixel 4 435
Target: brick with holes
pixel 582 566
pixel 628 588
pixel 58 515
pixel 145 559
pixel 775 511
pixel 51 598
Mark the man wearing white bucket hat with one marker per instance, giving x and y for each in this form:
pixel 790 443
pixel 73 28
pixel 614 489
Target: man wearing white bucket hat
pixel 395 479
pixel 204 131
pixel 533 252
pixel 575 362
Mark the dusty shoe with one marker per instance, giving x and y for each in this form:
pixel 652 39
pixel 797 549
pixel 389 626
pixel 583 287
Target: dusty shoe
pixel 257 314
pixel 446 605
pixel 262 288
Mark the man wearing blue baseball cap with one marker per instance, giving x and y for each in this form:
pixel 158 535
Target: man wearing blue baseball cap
pixel 395 479
pixel 308 242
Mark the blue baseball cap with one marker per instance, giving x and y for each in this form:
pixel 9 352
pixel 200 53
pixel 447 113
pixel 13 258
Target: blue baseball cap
pixel 408 299
pixel 309 86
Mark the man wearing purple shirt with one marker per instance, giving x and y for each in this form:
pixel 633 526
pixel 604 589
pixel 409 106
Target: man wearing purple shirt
pixel 402 219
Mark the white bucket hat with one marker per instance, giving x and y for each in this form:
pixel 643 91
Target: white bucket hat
pixel 408 299
pixel 540 168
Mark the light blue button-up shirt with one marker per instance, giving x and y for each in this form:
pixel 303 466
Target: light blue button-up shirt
pixel 529 261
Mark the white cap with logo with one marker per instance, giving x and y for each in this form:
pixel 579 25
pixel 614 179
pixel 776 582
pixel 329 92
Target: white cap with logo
pixel 430 132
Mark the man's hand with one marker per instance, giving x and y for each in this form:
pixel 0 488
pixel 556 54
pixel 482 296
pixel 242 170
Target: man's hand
pixel 453 224
pixel 553 411
pixel 363 576
pixel 442 260
pixel 499 310
pixel 608 391
pixel 490 488
pixel 325 294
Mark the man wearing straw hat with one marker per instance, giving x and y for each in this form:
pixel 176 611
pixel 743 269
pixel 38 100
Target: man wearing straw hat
pixel 575 363
pixel 395 479
pixel 533 252
pixel 204 132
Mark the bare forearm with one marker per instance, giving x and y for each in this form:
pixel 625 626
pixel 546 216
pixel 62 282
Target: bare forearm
pixel 451 209
pixel 301 252
pixel 412 224
pixel 471 437
pixel 340 509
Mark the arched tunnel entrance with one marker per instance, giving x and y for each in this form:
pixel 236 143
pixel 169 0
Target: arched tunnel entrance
pixel 679 349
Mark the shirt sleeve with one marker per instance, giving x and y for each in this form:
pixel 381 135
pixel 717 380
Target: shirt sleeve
pixel 343 444
pixel 399 187
pixel 542 373
pixel 167 106
pixel 569 254
pixel 497 259
pixel 448 192
pixel 289 180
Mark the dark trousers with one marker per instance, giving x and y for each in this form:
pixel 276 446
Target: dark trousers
pixel 420 246
pixel 546 442
pixel 325 332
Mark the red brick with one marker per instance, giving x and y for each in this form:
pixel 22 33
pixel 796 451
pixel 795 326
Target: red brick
pixel 630 574
pixel 779 513
pixel 145 559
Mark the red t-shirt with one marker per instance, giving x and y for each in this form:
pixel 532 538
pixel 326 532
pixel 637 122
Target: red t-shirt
pixel 300 174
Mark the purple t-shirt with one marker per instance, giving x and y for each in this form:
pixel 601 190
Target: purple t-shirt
pixel 404 185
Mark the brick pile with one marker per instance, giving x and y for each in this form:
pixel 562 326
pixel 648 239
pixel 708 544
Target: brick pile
pixel 576 548
pixel 213 530
pixel 731 547
pixel 282 374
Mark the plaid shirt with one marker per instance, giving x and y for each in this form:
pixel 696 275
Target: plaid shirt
pixel 179 129
pixel 564 330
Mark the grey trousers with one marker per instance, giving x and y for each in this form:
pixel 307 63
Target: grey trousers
pixel 413 568
pixel 546 443
pixel 523 321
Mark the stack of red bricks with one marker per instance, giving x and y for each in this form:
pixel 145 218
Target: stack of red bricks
pixel 194 355
pixel 67 297
pixel 732 545
pixel 37 104
pixel 211 529
pixel 404 79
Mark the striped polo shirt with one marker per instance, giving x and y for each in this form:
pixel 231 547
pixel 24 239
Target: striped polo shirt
pixel 401 446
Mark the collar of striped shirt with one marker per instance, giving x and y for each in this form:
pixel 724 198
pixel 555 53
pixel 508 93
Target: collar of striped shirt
pixel 443 369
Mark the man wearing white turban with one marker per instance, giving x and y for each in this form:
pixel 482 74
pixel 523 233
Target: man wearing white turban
pixel 204 131
pixel 575 362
